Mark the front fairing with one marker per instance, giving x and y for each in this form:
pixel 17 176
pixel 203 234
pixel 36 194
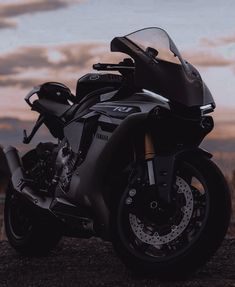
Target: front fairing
pixel 166 74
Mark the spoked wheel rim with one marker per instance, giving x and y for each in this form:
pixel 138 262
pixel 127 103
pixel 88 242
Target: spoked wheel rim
pixel 153 239
pixel 19 221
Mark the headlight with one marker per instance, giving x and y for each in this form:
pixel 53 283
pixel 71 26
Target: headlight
pixel 206 109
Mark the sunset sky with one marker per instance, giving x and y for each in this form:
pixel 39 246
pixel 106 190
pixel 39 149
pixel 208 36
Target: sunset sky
pixel 60 40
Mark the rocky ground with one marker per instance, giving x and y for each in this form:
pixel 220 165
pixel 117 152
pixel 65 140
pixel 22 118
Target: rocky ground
pixel 92 262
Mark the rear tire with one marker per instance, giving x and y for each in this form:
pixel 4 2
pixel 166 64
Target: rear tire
pixel 180 263
pixel 27 232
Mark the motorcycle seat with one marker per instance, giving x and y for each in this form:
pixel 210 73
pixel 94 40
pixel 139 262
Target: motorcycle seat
pixel 65 111
pixel 51 108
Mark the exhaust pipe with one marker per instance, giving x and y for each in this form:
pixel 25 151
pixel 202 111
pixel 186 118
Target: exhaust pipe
pixel 13 158
pixel 20 182
pixel 45 206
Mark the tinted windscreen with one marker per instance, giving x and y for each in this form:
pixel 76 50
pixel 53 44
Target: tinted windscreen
pixel 157 41
pixel 160 68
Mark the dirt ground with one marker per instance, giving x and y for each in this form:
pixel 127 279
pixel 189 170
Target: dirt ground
pixel 92 262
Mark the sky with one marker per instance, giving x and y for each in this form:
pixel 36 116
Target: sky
pixel 60 40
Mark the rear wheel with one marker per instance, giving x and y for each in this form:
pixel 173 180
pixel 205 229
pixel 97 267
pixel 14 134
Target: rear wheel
pixel 158 240
pixel 27 232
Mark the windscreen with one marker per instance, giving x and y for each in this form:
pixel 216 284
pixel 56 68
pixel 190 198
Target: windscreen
pixel 157 42
pixel 160 68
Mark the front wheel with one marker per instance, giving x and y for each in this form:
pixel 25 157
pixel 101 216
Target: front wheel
pixel 157 240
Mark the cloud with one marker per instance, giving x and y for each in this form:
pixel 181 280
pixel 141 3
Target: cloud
pixel 207 59
pixel 30 66
pixel 6 126
pixel 21 83
pixel 23 7
pixel 18 61
pixel 29 7
pixel 67 56
pixel 13 63
pixel 216 52
pixel 220 41
pixel 4 23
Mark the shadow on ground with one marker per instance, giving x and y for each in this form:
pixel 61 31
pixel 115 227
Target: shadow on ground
pixel 92 262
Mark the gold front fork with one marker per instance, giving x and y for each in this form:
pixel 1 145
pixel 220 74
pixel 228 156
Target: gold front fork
pixel 149 147
pixel 149 156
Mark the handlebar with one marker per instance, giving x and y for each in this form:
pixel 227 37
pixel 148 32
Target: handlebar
pixel 112 67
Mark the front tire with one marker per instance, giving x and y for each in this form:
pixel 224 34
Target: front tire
pixel 152 249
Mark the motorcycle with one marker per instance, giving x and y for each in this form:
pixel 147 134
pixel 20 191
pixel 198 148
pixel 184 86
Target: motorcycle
pixel 126 165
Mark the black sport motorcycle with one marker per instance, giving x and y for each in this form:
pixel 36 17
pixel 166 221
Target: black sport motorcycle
pixel 127 166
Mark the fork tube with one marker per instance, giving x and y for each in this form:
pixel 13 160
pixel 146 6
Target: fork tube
pixel 149 155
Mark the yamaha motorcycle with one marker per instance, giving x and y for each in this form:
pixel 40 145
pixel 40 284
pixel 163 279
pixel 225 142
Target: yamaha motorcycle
pixel 126 165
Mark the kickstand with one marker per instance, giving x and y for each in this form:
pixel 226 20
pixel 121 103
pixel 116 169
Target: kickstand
pixel 27 139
